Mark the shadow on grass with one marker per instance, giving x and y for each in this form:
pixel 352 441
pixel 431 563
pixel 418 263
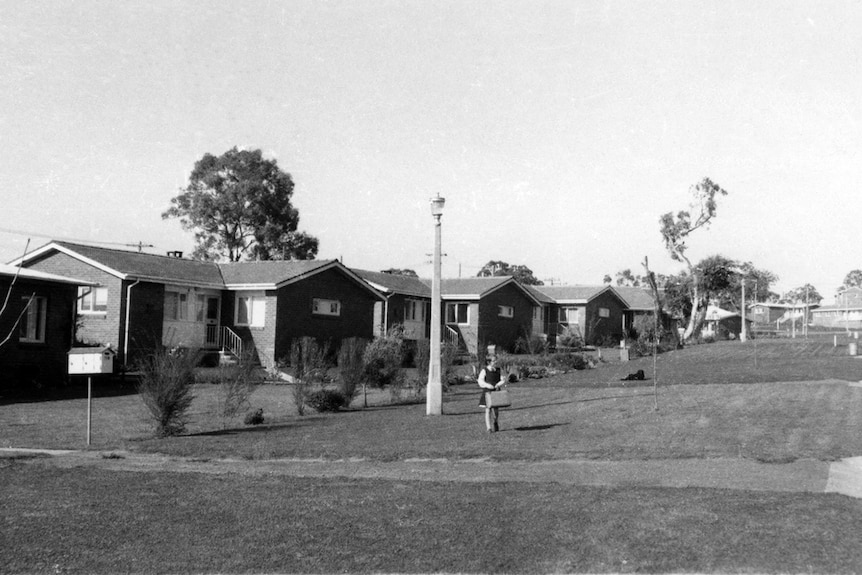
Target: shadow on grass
pixel 539 427
pixel 77 389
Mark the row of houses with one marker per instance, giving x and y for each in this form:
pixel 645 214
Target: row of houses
pixel 135 302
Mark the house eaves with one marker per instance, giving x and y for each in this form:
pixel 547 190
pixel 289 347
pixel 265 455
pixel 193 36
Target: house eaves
pixel 11 271
pixel 128 265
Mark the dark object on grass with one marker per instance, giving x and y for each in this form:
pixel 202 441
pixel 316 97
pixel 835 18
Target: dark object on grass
pixel 637 376
pixel 254 417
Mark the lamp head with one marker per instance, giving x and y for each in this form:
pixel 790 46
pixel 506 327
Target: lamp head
pixel 437 206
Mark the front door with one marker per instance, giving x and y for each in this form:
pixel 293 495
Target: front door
pixel 212 320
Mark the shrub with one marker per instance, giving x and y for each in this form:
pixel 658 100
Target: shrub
pixel 569 361
pixel 254 417
pixel 236 384
pixel 351 366
pixel 165 387
pixel 383 358
pixel 531 344
pixel 570 338
pixel 309 362
pixel 326 400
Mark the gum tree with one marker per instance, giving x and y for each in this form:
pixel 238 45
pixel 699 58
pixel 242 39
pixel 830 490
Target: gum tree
pixel 675 230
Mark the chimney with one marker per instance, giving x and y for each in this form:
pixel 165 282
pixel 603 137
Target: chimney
pixel 175 254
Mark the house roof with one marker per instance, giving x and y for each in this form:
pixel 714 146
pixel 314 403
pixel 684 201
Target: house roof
pixel 137 265
pixel 165 269
pixel 572 294
pixel 24 273
pixel 269 274
pixel 636 298
pixel 477 288
pixel 393 283
pixel 540 297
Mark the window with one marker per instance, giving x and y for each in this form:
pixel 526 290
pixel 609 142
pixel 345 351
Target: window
pixel 569 315
pixel 505 311
pixel 537 313
pixel 176 306
pixel 604 312
pixel 321 306
pixel 457 313
pixel 414 310
pixel 93 300
pixel 32 326
pixel 200 308
pixel 250 310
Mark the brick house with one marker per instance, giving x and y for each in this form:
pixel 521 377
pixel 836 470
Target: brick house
pixel 140 301
pixel 598 313
pixel 486 311
pixel 407 303
pixel 33 352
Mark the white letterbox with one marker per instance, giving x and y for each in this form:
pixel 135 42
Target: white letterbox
pixel 91 360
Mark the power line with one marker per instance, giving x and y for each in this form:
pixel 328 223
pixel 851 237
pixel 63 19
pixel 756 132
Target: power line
pixel 138 245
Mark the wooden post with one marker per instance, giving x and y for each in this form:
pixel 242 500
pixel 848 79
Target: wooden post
pixel 89 406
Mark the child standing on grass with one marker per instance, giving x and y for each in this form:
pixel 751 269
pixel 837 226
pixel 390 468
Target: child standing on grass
pixel 490 379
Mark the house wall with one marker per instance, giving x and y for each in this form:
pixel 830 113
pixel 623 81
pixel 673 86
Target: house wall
pixel 764 314
pixel 146 318
pixel 604 330
pixel 295 319
pixel 504 331
pixel 26 366
pixel 258 341
pixel 97 329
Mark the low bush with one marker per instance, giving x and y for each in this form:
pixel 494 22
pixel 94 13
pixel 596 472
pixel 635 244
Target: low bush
pixel 309 361
pixel 569 361
pixel 326 400
pixel 254 417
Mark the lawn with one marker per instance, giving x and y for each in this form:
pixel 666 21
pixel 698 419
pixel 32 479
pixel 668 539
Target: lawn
pixel 709 406
pixel 91 521
pixel 581 414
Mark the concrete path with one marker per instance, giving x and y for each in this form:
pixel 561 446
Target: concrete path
pixel 812 476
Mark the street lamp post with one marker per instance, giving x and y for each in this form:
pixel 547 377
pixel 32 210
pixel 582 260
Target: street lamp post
pixel 434 391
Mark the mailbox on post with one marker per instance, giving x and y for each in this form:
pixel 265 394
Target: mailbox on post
pixel 91 360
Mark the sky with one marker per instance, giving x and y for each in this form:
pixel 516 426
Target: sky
pixel 558 132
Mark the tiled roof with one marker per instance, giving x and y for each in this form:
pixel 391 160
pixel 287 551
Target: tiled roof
pixel 540 297
pixel 636 298
pixel 565 293
pixel 150 266
pixel 406 285
pixel 471 286
pixel 24 273
pixel 269 273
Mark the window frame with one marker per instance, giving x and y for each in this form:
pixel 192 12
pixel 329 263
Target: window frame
pixel 30 331
pixel 91 293
pixel 181 308
pixel 326 307
pixel 414 310
pixel 506 311
pixel 604 312
pixel 456 306
pixel 256 307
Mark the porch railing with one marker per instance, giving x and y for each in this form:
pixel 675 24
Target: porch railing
pixel 231 342
pixel 451 337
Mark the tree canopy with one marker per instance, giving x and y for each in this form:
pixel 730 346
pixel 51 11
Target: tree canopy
pixel 852 279
pixel 675 229
pixel 239 207
pixel 400 272
pixel 804 294
pixel 499 268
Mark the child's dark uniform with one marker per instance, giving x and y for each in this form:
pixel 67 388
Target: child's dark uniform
pixel 492 376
